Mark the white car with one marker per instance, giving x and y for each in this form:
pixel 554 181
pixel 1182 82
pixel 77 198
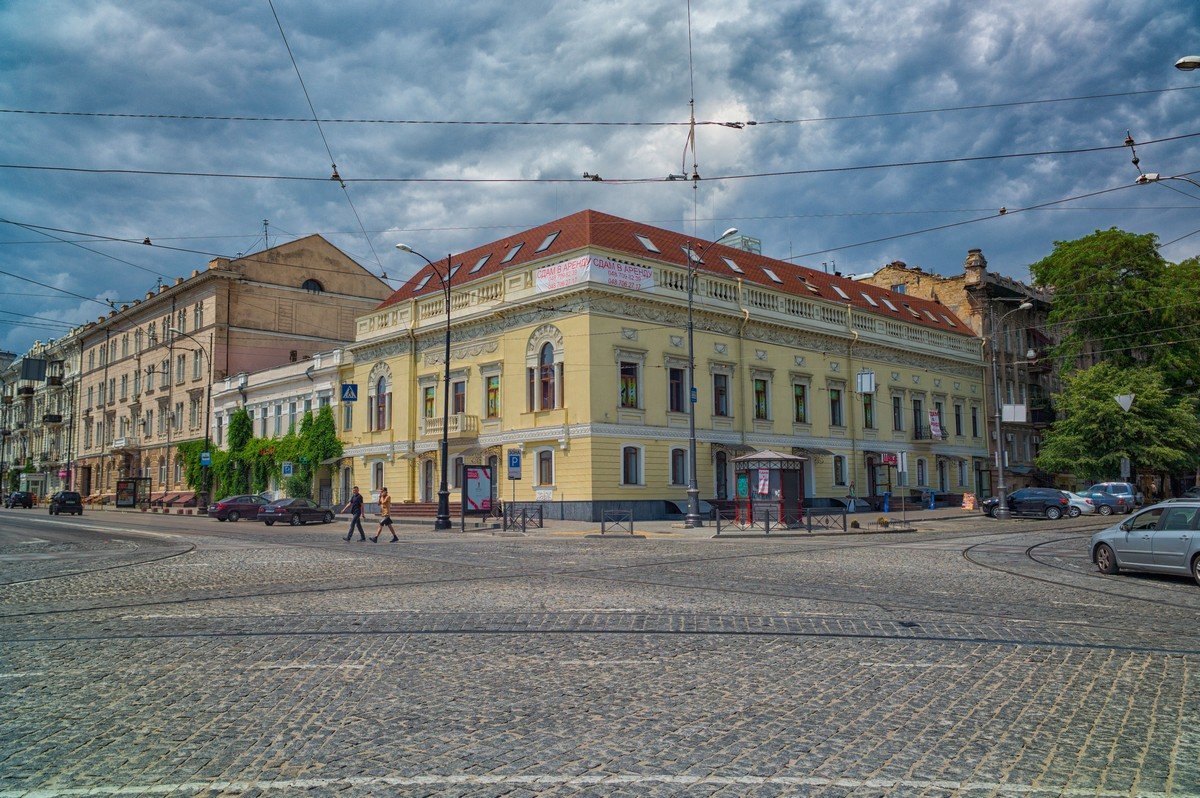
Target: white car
pixel 1080 505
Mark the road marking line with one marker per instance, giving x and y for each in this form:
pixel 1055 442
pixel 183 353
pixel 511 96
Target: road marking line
pixel 555 780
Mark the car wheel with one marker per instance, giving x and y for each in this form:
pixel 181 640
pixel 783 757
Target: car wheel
pixel 1074 512
pixel 1104 509
pixel 328 517
pixel 1106 561
pixel 233 515
pixel 1053 513
pixel 270 523
pixel 295 520
pixel 1196 568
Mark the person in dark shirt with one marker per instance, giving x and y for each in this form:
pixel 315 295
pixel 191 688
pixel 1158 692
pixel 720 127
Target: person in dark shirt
pixel 355 506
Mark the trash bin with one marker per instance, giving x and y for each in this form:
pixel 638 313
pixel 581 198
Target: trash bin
pixel 887 501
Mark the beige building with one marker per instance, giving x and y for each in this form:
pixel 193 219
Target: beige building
pixel 37 416
pixel 144 387
pixel 569 344
pixel 988 302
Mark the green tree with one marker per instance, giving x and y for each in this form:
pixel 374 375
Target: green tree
pixel 1115 292
pixel 1160 432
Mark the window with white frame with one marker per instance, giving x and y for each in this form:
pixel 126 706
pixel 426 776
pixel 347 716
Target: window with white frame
pixel 721 404
pixel 177 417
pixel 377 475
pixel 679 458
pixel 761 383
pixel 278 427
pixel 962 472
pixel 836 411
pixel 492 396
pixel 292 416
pixel 676 390
pixel 180 368
pixel 196 364
pixel 544 358
pixel 800 402
pixel 631 465
pixel 545 466
pixel 347 416
pixel 839 470
pixel 922 472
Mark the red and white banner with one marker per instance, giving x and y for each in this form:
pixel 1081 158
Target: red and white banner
pixel 592 269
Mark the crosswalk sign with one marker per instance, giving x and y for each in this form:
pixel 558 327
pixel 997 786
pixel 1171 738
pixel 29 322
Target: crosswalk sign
pixel 349 392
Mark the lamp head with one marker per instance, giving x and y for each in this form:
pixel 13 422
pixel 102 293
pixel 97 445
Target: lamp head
pixel 1026 305
pixel 175 331
pixel 730 232
pixel 1188 63
pixel 404 248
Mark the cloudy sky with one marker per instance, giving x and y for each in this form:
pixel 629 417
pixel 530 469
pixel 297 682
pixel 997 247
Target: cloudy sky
pixel 834 86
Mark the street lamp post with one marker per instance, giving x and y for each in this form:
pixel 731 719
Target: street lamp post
pixel 693 519
pixel 206 469
pixel 1002 510
pixel 443 509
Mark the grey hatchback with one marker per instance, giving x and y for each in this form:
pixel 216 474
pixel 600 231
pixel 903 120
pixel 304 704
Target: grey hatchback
pixel 1164 538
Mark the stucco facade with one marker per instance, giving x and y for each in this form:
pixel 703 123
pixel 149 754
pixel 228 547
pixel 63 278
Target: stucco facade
pixel 144 387
pixel 569 343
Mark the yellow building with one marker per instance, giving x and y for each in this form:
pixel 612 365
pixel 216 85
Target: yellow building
pixel 569 343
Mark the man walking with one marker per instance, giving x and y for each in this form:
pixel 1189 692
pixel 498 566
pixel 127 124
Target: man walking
pixel 385 516
pixel 355 506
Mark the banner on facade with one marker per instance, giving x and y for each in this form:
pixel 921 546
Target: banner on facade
pixel 935 424
pixel 592 269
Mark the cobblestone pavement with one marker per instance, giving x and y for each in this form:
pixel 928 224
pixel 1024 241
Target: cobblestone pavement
pixel 151 656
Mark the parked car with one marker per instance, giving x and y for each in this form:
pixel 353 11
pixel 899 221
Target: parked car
pixel 66 501
pixel 1191 493
pixel 295 511
pixel 19 498
pixel 1079 505
pixel 1043 502
pixel 231 508
pixel 1164 538
pixel 1112 497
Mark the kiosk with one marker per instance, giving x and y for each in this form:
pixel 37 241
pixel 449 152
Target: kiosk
pixel 770 484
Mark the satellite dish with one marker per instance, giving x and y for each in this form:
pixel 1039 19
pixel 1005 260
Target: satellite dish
pixel 1125 400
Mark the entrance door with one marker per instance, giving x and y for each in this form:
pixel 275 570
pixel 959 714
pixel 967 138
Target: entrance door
pixel 943 487
pixel 722 476
pixel 427 482
pixel 872 478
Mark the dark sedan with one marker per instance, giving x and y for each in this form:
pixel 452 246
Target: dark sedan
pixel 1034 502
pixel 66 501
pixel 231 508
pixel 295 511
pixel 19 498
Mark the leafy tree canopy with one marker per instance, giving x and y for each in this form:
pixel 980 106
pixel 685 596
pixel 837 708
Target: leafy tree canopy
pixel 1116 299
pixel 1160 432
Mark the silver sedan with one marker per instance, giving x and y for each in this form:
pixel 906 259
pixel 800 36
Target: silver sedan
pixel 1079 505
pixel 1164 538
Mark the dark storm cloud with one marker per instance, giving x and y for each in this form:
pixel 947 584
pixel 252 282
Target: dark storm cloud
pixel 598 61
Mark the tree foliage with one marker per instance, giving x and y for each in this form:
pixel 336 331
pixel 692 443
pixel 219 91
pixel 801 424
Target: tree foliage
pixel 1114 291
pixel 1160 432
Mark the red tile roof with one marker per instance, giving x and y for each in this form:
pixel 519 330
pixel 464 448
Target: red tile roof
pixel 604 231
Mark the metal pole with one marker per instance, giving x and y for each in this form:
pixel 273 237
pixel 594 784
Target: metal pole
pixel 1002 512
pixel 693 520
pixel 443 509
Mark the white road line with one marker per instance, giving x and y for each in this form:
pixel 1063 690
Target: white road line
pixel 557 780
pixel 94 527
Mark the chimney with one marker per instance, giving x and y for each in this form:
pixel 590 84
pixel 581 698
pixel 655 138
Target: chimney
pixel 975 267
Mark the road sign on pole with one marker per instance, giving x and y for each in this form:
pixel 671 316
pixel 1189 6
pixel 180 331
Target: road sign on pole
pixel 349 392
pixel 514 464
pixel 287 469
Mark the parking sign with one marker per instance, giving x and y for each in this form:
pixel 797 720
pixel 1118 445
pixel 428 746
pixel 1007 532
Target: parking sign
pixel 514 464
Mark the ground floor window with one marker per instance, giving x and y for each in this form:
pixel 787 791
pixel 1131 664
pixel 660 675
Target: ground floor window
pixel 679 466
pixel 545 467
pixel 631 465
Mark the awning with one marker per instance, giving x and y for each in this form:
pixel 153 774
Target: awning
pixel 810 451
pixel 1019 469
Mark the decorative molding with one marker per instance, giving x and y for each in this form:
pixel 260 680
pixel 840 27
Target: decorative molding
pixel 677 341
pixel 462 352
pixel 799 359
pixel 835 366
pixel 760 354
pixel 721 349
pixel 916 378
pixel 895 376
pixel 629 333
pixel 937 383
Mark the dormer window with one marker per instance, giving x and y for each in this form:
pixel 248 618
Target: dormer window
pixel 891 307
pixel 421 284
pixel 870 300
pixel 479 263
pixel 313 285
pixel 841 293
pixel 547 241
pixel 733 266
pixel 512 253
pixel 647 243
pixel 774 277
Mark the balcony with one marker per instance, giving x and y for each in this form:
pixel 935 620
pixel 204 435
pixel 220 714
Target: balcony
pixel 920 433
pixel 125 443
pixel 52 418
pixel 54 381
pixel 1042 416
pixel 24 390
pixel 7 399
pixel 461 426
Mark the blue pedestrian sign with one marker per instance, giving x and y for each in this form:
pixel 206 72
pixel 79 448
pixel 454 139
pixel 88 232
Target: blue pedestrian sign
pixel 206 459
pixel 349 392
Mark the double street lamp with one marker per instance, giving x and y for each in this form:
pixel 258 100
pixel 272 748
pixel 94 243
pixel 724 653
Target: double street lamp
pixel 693 519
pixel 206 469
pixel 1002 510
pixel 443 509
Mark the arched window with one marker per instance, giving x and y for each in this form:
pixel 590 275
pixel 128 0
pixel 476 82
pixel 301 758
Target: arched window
pixel 377 476
pixel 722 475
pixel 679 466
pixel 383 404
pixel 922 476
pixel 545 467
pixel 544 368
pixel 162 470
pixel 312 285
pixel 546 378
pixel 631 465
pixel 839 470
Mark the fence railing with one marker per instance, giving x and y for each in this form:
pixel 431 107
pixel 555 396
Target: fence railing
pixel 617 522
pixel 519 518
pixel 803 520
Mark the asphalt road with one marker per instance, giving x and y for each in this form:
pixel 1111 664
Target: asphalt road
pixel 143 655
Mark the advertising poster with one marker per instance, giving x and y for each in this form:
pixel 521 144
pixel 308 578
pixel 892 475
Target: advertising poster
pixel 126 493
pixel 477 489
pixel 592 269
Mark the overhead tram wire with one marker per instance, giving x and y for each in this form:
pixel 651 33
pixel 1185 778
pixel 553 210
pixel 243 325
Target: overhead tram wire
pixel 587 123
pixel 325 141
pixel 618 181
pixel 87 249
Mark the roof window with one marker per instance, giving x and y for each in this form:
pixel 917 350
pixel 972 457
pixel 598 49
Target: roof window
pixel 512 253
pixel 733 266
pixel 908 307
pixel 479 263
pixel 841 293
pixel 691 253
pixel 888 302
pixel 545 245
pixel 454 270
pixel 772 275
pixel 932 317
pixel 946 319
pixel 421 284
pixel 647 243
pixel 870 300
